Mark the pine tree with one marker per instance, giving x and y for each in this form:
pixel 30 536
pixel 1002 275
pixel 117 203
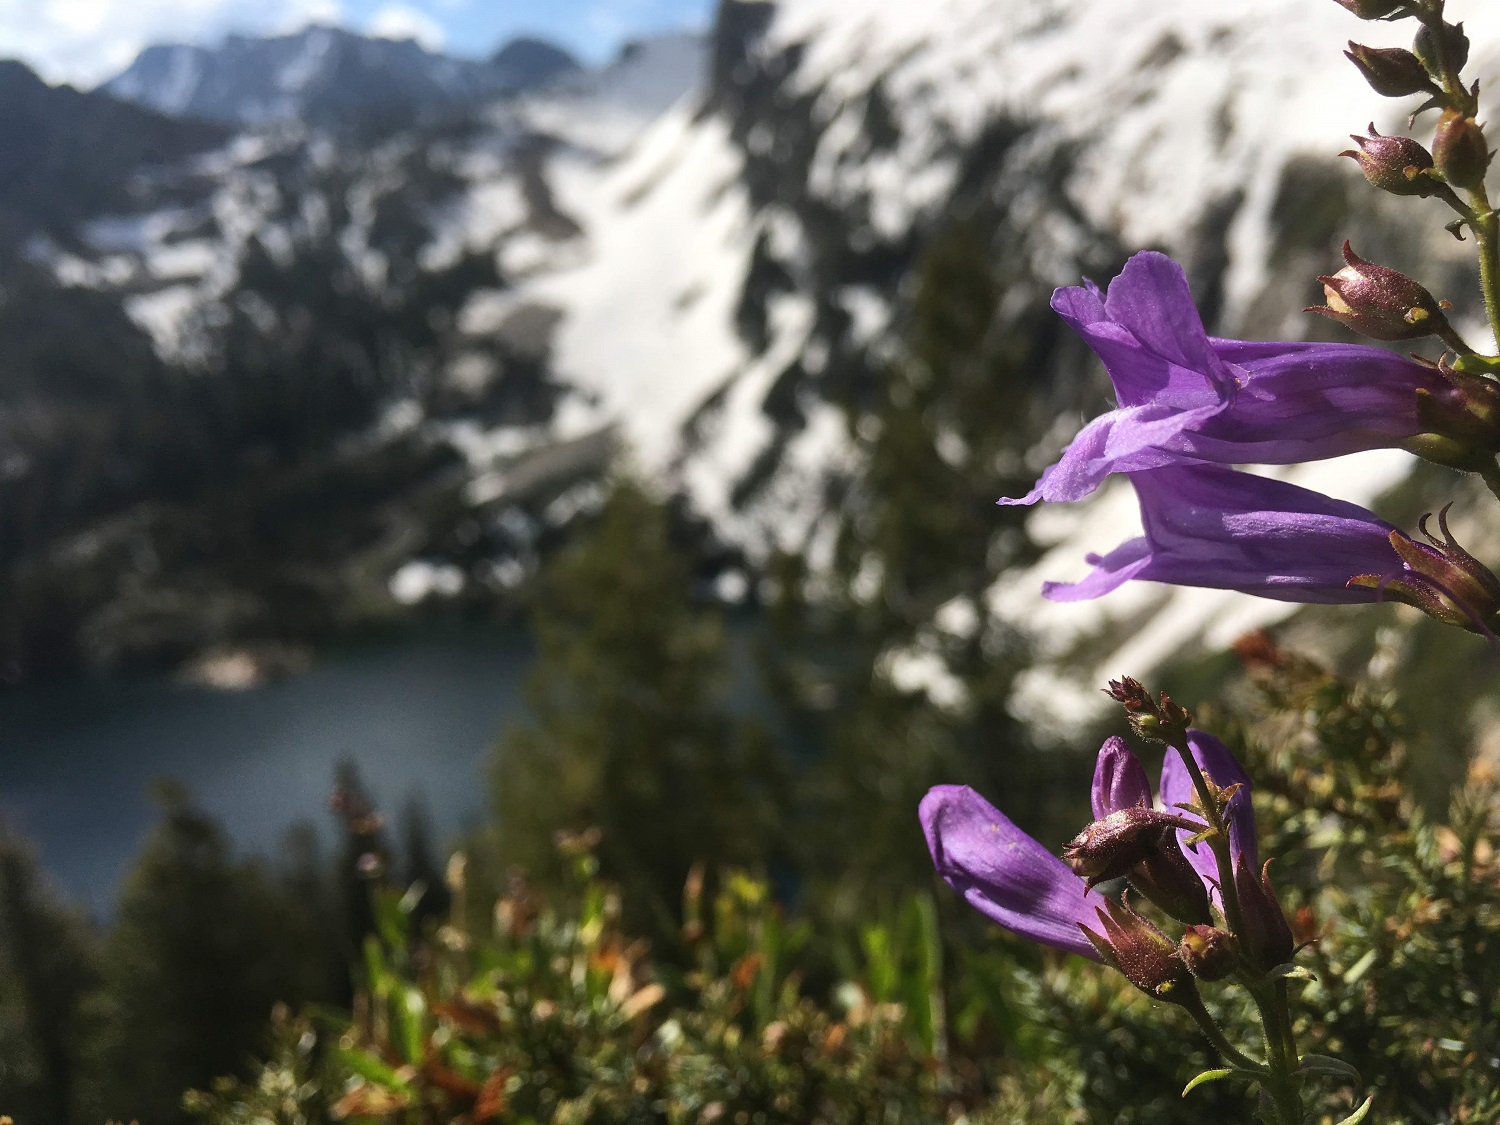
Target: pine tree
pixel 203 946
pixel 630 732
pixel 48 965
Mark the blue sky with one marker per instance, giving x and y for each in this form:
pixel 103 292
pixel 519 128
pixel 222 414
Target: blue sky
pixel 591 27
pixel 87 41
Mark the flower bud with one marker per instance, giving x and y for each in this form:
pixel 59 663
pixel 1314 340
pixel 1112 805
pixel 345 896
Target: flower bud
pixel 1380 302
pixel 1460 151
pixel 1210 954
pixel 1165 877
pixel 1265 937
pixel 1108 849
pixel 1450 46
pixel 1120 780
pixel 1392 72
pixel 1374 9
pixel 1148 717
pixel 1143 953
pixel 1394 164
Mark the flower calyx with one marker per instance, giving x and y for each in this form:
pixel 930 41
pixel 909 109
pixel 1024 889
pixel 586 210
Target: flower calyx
pixel 1445 45
pixel 1459 150
pixel 1461 421
pixel 1265 936
pixel 1392 72
pixel 1160 720
pixel 1441 579
pixel 1398 165
pixel 1381 303
pixel 1211 954
pixel 1146 956
pixel 1111 846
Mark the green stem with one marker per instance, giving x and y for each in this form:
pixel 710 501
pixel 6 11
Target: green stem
pixel 1486 230
pixel 1215 1035
pixel 1219 840
pixel 1281 1052
pixel 1482 219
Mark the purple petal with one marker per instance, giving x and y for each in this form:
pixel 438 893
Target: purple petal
pixel 1129 440
pixel 1119 779
pixel 1213 527
pixel 1130 559
pixel 1152 300
pixel 1005 874
pixel 1221 767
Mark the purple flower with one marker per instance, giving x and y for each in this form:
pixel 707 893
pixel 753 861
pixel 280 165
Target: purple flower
pixel 1185 397
pixel 1005 874
pixel 1213 527
pixel 1013 880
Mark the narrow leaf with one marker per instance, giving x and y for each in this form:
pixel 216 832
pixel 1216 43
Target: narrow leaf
pixel 1359 1114
pixel 1327 1064
pixel 1206 1076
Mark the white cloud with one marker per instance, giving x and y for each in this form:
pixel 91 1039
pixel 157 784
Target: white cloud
pixel 87 41
pixel 400 21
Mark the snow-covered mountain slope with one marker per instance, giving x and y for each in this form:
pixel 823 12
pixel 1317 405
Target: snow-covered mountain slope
pixel 714 263
pixel 1210 130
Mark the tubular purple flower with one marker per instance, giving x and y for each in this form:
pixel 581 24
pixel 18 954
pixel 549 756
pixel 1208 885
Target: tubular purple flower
pixel 1185 397
pixel 1213 527
pixel 1005 874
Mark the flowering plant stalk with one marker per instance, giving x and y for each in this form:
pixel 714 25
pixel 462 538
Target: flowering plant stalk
pixel 1191 408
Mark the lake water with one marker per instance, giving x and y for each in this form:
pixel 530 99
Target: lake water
pixel 417 715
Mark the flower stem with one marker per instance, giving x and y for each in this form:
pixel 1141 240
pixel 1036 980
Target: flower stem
pixel 1281 1052
pixel 1481 219
pixel 1215 1035
pixel 1219 840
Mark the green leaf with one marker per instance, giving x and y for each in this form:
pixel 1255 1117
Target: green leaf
pixel 1327 1064
pixel 411 1016
pixel 371 1069
pixel 1359 1114
pixel 1291 972
pixel 1206 1076
pixel 1360 967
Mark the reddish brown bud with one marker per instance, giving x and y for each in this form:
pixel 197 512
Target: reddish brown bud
pixel 1460 150
pixel 1375 9
pixel 1398 165
pixel 1143 953
pixel 1380 302
pixel 1110 848
pixel 1148 717
pixel 1449 47
pixel 1265 937
pixel 1392 72
pixel 1210 954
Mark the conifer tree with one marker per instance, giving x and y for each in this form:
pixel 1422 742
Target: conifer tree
pixel 941 439
pixel 202 948
pixel 47 968
pixel 630 732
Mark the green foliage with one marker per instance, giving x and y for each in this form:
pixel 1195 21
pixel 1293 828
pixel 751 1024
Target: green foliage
pixel 48 967
pixel 558 1015
pixel 201 948
pixel 630 730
